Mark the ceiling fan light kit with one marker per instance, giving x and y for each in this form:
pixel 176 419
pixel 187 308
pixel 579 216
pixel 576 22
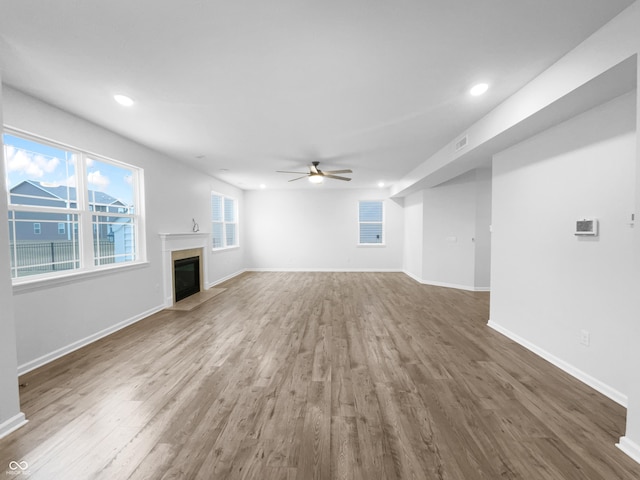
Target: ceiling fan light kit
pixel 315 175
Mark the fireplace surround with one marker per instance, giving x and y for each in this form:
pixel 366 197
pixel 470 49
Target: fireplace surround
pixel 180 246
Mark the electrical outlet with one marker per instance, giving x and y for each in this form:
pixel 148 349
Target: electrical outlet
pixel 585 337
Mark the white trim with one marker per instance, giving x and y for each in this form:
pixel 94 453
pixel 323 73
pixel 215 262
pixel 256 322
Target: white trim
pixel 481 289
pixel 594 383
pixel 457 286
pixel 12 424
pixel 224 279
pixel 224 222
pixel 84 222
pixel 412 276
pixel 382 223
pixel 172 242
pixel 629 447
pixel 337 270
pixel 224 249
pixel 49 357
pixel 31 284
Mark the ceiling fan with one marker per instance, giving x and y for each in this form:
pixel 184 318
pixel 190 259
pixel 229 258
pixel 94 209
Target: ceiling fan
pixel 316 175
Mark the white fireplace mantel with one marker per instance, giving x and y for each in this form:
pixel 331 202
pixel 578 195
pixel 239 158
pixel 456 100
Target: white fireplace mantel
pixel 172 242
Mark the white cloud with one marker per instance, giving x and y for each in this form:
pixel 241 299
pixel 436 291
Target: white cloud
pixel 70 181
pixel 128 179
pixel 31 164
pixel 97 179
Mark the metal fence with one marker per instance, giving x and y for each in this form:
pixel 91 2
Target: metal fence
pixel 31 258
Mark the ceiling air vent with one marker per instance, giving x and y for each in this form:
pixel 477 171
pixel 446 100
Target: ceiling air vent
pixel 461 143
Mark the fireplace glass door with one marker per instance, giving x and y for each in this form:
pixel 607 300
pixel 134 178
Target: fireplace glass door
pixel 187 277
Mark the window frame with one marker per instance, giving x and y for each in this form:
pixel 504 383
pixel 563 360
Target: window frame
pixel 82 228
pixel 224 223
pixel 382 223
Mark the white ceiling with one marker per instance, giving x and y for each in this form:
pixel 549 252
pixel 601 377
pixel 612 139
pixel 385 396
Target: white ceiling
pixel 242 88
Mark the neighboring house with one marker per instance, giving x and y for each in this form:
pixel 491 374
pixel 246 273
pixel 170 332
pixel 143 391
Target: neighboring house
pixel 56 228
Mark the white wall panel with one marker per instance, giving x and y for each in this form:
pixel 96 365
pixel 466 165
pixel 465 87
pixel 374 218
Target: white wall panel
pixel 549 285
pixel 10 416
pixel 315 229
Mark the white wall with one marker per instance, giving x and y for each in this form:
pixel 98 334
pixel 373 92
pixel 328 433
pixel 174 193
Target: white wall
pixel 449 244
pixel 630 443
pixel 547 284
pixel 483 224
pixel 53 319
pixel 413 235
pixel 317 229
pixel 10 416
pixel 449 232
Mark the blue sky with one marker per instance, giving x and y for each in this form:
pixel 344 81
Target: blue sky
pixel 29 160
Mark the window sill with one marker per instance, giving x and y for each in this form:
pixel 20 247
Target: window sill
pixel 25 285
pixel 225 249
pixel 371 245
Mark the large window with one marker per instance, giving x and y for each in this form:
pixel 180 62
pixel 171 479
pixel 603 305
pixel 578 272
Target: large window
pixel 224 221
pixel 371 222
pixel 68 209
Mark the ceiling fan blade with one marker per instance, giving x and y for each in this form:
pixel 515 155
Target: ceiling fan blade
pixel 335 177
pixel 294 179
pixel 285 171
pixel 331 172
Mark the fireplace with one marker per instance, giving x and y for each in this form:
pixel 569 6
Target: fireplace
pixel 186 274
pixel 180 246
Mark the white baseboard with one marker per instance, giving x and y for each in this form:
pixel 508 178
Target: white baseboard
pixel 629 447
pixel 336 270
pixel 411 275
pixel 594 383
pixel 12 424
pixel 49 357
pixel 468 288
pixel 224 279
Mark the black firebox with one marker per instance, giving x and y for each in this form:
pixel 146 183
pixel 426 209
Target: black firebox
pixel 187 277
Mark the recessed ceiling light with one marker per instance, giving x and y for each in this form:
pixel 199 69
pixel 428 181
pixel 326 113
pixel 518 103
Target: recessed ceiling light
pixel 479 89
pixel 123 100
pixel 263 186
pixel 381 184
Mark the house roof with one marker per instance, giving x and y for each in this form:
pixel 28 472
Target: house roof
pixel 63 193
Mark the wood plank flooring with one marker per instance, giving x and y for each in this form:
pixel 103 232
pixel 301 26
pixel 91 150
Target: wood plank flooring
pixel 315 375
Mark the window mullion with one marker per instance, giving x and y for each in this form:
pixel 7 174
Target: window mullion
pixel 85 216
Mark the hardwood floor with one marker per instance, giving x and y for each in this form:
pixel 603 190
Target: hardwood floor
pixel 315 375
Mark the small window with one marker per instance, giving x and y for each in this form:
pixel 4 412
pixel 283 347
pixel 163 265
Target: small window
pixel 61 229
pixel 371 222
pixel 37 229
pixel 224 221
